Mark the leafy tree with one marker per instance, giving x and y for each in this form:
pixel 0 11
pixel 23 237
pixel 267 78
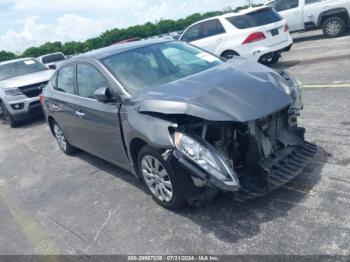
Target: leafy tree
pixel 6 56
pixel 110 37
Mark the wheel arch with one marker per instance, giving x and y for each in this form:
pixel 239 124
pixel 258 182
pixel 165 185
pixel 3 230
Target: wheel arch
pixel 51 120
pixel 342 12
pixel 134 148
pixel 229 50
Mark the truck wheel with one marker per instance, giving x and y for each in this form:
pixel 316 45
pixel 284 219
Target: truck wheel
pixel 7 116
pixel 334 27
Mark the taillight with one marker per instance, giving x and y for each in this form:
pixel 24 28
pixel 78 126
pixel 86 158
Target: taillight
pixel 286 28
pixel 254 37
pixel 41 99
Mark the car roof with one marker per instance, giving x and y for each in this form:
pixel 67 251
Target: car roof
pixel 50 54
pixel 15 60
pixel 120 48
pixel 239 13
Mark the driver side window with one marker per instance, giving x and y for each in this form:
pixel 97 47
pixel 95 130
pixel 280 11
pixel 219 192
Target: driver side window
pixel 89 79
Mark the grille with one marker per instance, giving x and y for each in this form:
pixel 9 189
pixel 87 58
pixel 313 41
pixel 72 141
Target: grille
pixel 33 90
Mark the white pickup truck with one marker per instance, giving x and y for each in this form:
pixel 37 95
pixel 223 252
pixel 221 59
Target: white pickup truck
pixel 330 15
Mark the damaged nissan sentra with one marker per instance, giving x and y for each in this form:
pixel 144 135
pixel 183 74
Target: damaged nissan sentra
pixel 185 122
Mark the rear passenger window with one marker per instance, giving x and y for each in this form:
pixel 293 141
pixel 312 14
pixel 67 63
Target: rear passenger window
pixel 211 28
pixel 308 2
pixel 192 34
pixel 65 80
pixel 282 5
pixel 89 80
pixel 256 18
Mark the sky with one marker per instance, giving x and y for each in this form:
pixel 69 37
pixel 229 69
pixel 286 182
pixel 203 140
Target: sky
pixel 26 23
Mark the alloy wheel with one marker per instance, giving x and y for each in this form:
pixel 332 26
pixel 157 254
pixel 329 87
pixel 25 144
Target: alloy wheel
pixel 157 178
pixel 61 139
pixel 333 27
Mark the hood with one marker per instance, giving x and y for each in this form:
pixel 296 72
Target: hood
pixel 238 91
pixel 28 79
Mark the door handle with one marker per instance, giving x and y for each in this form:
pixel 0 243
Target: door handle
pixel 79 113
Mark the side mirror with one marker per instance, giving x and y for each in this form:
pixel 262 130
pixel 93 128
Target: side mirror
pixel 53 67
pixel 103 95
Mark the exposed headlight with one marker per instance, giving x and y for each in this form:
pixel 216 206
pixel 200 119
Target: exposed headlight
pixel 205 157
pixel 13 92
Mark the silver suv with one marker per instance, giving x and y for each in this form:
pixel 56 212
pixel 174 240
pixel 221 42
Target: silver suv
pixel 21 83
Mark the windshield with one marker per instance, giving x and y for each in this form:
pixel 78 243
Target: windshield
pixel 53 58
pixel 20 68
pixel 257 18
pixel 159 64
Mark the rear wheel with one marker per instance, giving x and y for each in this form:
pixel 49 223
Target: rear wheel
pixel 167 188
pixel 7 116
pixel 334 27
pixel 228 55
pixel 62 141
pixel 270 59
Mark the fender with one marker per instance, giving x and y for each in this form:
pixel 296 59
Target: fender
pixel 332 12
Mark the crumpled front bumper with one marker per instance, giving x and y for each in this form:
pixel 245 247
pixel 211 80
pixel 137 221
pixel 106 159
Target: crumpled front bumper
pixel 287 163
pixel 278 169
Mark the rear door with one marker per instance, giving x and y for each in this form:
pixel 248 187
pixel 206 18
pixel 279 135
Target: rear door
pixel 208 35
pixel 61 102
pixel 292 11
pixel 212 35
pixel 99 129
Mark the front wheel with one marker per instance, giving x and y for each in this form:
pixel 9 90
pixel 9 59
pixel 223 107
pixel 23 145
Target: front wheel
pixel 334 27
pixel 7 116
pixel 62 141
pixel 167 188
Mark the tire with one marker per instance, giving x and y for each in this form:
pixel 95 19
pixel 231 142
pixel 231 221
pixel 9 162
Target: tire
pixel 334 27
pixel 157 172
pixel 228 55
pixel 270 59
pixel 62 141
pixel 7 116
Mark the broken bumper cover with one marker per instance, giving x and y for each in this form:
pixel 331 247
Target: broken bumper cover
pixel 287 163
pixel 198 172
pixel 283 166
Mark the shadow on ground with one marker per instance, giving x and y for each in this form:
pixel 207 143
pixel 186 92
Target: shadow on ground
pixel 227 218
pixel 297 38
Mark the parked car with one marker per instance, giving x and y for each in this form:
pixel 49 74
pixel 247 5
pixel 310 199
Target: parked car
pixel 330 15
pixel 259 34
pixel 21 83
pixel 53 60
pixel 185 122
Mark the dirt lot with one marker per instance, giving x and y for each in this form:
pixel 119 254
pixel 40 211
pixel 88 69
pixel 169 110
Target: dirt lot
pixel 54 204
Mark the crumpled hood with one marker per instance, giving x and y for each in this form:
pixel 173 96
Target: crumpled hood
pixel 26 80
pixel 238 91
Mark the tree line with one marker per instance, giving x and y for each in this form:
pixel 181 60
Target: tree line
pixel 112 36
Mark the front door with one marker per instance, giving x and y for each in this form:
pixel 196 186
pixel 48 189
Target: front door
pixel 292 11
pixel 98 128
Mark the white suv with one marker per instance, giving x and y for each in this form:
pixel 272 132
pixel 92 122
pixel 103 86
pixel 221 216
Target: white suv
pixel 258 34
